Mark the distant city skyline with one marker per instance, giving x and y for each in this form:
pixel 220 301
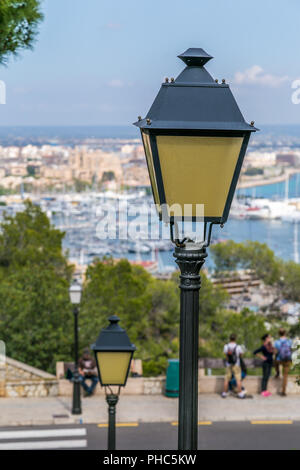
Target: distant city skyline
pixel 98 63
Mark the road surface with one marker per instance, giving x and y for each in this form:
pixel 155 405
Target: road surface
pixel 262 435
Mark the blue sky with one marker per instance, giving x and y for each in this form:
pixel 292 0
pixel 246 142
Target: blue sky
pixel 102 62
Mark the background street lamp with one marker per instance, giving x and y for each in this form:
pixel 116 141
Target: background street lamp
pixel 75 298
pixel 113 352
pixel 195 139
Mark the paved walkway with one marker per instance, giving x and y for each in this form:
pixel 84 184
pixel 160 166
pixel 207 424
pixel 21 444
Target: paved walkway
pixel 146 408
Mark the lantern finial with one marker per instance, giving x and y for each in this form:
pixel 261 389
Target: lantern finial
pixel 195 57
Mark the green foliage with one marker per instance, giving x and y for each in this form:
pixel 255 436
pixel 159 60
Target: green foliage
pixel 248 255
pixel 19 20
pixel 148 309
pixel 36 320
pixel 212 299
pixel 290 280
pixel 108 176
pixel 261 259
pixel 35 314
pixel 285 275
pixel 226 255
pixel 6 191
pixel 31 170
pixel 81 186
pixel 28 238
pixel 215 332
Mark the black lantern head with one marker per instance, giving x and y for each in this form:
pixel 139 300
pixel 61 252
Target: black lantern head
pixel 195 139
pixel 113 351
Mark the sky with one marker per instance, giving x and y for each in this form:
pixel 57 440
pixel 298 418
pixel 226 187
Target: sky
pixel 102 62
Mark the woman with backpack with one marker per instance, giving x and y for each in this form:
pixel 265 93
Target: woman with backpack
pixel 265 352
pixel 283 348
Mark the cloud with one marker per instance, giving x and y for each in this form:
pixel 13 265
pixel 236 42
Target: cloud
pixel 255 75
pixel 116 83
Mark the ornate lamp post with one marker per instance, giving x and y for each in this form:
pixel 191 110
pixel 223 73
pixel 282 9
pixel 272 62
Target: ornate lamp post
pixel 113 352
pixel 195 139
pixel 75 298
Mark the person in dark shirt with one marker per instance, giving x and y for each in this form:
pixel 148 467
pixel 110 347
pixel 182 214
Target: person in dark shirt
pixel 88 371
pixel 265 352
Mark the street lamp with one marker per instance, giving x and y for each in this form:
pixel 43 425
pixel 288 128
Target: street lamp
pixel 75 298
pixel 113 352
pixel 195 139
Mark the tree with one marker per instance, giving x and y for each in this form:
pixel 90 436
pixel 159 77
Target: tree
pixel 19 20
pixel 261 259
pixel 29 238
pixel 35 313
pixel 290 280
pixel 31 170
pixel 226 256
pixel 248 327
pixel 81 186
pixel 148 309
pixel 108 176
pixel 253 255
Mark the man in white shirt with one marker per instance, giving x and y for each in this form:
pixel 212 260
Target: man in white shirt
pixel 233 352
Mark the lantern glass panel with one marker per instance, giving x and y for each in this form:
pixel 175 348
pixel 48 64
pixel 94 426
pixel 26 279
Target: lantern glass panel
pixel 198 170
pixel 149 157
pixel 75 294
pixel 113 367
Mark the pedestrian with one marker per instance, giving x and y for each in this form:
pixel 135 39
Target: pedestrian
pixel 265 352
pixel 233 352
pixel 283 347
pixel 88 372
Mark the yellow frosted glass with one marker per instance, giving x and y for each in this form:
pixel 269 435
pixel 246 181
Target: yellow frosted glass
pixel 113 367
pixel 198 170
pixel 148 151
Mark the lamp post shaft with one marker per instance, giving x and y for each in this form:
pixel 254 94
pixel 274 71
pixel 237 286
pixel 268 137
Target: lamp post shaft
pixel 76 407
pixel 112 401
pixel 190 260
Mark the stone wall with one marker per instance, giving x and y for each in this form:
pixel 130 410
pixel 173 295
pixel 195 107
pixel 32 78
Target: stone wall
pixel 252 383
pixel 207 384
pixel 25 381
pixel 32 388
pixel 134 386
pixel 21 380
pixel 16 370
pixel 16 373
pixel 2 380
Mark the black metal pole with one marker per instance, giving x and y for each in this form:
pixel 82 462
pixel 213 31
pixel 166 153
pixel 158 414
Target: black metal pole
pixel 190 259
pixel 76 407
pixel 112 400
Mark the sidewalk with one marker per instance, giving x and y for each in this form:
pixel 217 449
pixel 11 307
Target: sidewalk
pixel 155 408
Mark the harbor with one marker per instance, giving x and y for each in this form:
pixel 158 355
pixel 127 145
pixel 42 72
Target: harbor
pixel 269 213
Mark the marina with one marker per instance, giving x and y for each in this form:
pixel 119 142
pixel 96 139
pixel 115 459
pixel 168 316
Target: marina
pixel 269 213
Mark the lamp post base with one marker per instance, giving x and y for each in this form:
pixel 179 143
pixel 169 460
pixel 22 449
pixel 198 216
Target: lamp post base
pixel 76 406
pixel 190 259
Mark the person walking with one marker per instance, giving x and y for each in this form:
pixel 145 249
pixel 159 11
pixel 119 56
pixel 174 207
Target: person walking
pixel 283 347
pixel 265 352
pixel 88 371
pixel 233 352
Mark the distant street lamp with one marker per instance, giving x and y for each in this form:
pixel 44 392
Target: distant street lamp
pixel 113 352
pixel 75 292
pixel 195 139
